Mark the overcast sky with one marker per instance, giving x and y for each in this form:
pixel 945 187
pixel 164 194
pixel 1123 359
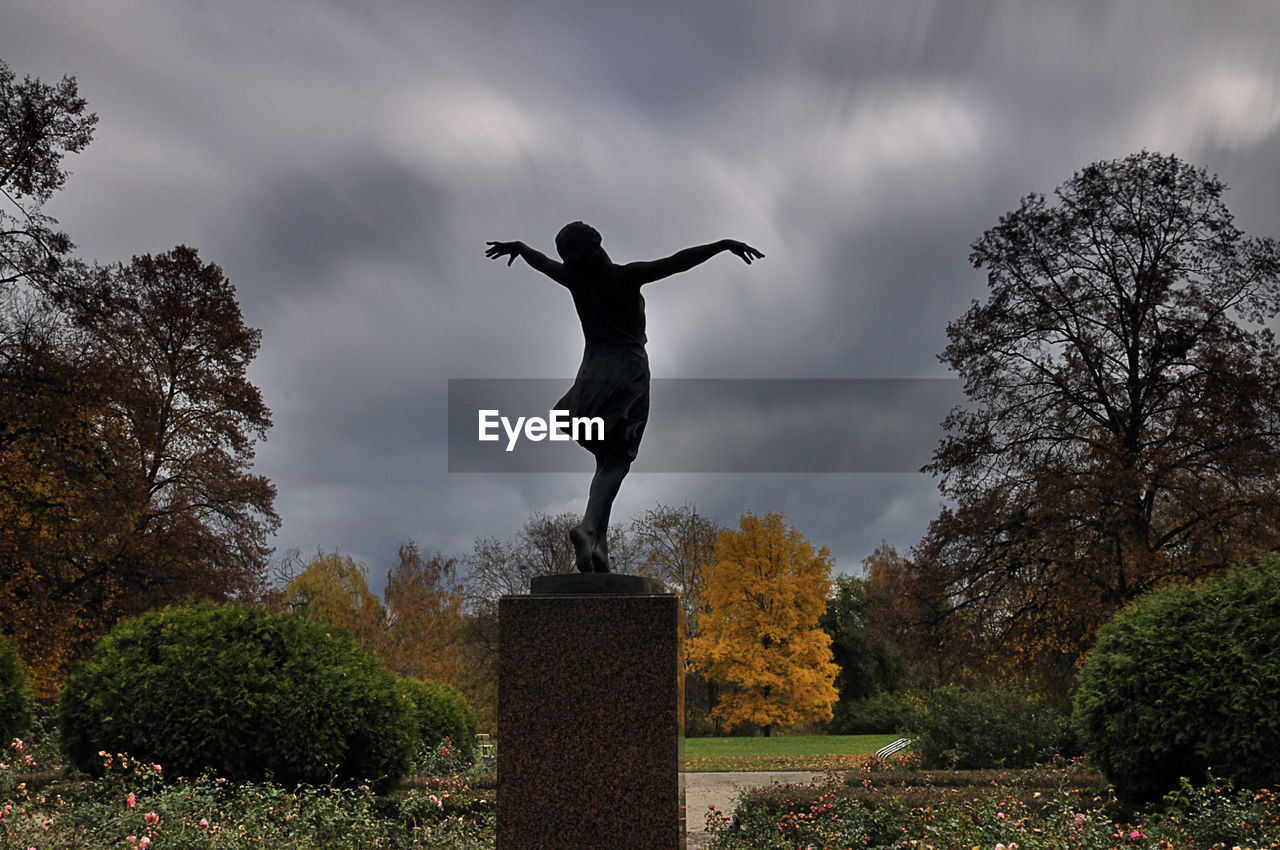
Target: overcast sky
pixel 345 163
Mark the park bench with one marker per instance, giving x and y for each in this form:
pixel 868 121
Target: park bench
pixel 889 749
pixel 487 747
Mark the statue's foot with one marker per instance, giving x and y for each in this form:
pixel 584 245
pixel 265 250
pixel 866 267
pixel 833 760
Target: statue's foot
pixel 582 549
pixel 600 558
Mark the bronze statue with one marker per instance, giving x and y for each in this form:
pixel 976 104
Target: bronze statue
pixel 613 380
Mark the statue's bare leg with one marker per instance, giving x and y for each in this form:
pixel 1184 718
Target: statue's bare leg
pixel 591 538
pixel 581 548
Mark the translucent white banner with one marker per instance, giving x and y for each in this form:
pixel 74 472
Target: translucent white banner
pixel 711 425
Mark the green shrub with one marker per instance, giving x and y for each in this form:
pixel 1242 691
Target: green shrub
pixel 243 692
pixel 963 729
pixel 15 693
pixel 442 714
pixel 1187 680
pixel 882 714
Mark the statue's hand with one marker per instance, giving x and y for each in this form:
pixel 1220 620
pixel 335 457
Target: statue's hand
pixel 743 250
pixel 498 250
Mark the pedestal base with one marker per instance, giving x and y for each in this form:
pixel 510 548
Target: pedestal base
pixel 590 722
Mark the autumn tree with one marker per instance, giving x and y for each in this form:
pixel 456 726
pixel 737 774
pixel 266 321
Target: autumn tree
pixel 48 386
pixel 126 446
pixel 425 611
pixel 433 637
pixel 182 425
pixel 1121 425
pixel 334 588
pixel 930 646
pixel 126 421
pixel 39 125
pixel 55 489
pixel 759 638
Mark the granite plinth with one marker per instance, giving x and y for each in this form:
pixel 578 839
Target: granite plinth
pixel 590 722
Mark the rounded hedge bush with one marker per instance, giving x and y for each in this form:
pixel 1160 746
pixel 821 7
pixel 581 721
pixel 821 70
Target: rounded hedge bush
pixel 959 728
pixel 15 694
pixel 884 713
pixel 244 693
pixel 442 713
pixel 1184 681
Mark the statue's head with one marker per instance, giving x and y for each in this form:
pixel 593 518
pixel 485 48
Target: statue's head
pixel 578 242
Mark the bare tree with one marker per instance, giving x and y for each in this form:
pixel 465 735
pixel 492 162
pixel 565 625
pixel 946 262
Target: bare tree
pixel 39 125
pixel 675 544
pixel 542 547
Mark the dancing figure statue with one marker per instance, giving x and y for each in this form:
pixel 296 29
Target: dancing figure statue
pixel 613 380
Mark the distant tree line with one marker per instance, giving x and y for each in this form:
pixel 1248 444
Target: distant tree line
pixel 756 657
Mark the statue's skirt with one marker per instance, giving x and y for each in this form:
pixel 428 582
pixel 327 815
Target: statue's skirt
pixel 613 384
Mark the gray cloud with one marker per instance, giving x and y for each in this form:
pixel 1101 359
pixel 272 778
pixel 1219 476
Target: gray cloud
pixel 345 164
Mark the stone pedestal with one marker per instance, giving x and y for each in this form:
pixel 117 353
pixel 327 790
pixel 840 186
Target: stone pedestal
pixel 590 716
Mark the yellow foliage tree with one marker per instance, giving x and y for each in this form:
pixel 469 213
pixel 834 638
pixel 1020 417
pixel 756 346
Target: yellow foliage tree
pixel 759 636
pixel 333 588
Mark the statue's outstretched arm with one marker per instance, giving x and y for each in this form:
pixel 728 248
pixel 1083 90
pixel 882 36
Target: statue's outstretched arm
pixel 536 259
pixel 682 261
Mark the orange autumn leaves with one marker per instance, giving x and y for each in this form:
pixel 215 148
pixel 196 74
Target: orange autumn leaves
pixel 759 637
pixel 421 632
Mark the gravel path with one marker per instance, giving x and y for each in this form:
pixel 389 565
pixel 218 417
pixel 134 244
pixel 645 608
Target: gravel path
pixel 702 790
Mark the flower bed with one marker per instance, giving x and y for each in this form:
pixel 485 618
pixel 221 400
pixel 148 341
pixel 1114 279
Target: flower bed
pixel 135 807
pixel 1062 808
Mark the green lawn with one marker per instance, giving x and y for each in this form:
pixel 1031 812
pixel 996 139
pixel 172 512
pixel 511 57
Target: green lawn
pixel 800 752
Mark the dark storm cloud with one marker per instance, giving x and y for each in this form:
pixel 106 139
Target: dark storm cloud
pixel 345 164
pixel 311 228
